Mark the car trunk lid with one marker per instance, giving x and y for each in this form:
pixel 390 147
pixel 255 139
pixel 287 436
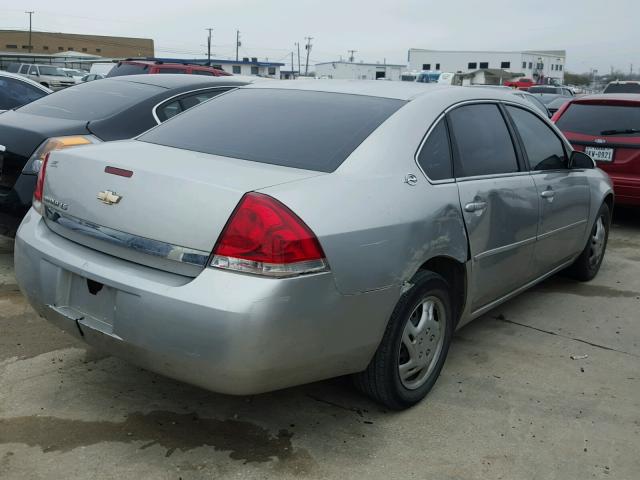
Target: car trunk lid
pixel 162 207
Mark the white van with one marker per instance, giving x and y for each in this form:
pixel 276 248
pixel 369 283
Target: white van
pixel 102 68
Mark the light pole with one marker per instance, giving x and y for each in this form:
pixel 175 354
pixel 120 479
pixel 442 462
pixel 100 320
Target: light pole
pixel 30 13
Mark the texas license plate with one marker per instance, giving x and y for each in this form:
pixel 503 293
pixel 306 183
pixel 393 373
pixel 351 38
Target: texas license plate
pixel 600 154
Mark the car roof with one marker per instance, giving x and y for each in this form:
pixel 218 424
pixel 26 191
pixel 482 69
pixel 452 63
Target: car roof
pixel 615 82
pixel 25 80
pixel 168 64
pixel 175 80
pixel 394 90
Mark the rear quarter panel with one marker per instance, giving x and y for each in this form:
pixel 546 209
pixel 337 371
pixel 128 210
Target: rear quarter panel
pixel 375 229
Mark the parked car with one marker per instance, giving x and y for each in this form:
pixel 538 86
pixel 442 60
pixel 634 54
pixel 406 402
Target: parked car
pixel 101 68
pixel 216 250
pixel 94 112
pixel 15 91
pixel 77 75
pixel 554 104
pixel 607 127
pixel 521 84
pixel 522 94
pixel 552 89
pixel 91 77
pixel 619 86
pixel 138 67
pixel 47 75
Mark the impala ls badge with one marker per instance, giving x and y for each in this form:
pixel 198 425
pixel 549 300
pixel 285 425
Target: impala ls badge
pixel 108 197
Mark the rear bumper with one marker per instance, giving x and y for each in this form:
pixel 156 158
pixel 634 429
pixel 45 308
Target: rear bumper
pixel 227 332
pixel 19 197
pixel 626 188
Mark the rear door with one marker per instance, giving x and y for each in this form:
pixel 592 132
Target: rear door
pixel 499 201
pixel 564 193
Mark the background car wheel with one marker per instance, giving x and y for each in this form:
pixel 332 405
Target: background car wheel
pixel 587 265
pixel 414 346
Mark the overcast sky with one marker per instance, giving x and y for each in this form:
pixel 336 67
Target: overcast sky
pixel 595 33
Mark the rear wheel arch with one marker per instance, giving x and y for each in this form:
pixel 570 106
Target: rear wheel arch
pixel 455 274
pixel 608 199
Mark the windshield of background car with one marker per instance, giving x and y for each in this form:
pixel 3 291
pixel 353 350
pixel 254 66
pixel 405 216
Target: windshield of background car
pixel 52 71
pixel 294 128
pixel 128 69
pixel 593 119
pixel 92 100
pixel 623 88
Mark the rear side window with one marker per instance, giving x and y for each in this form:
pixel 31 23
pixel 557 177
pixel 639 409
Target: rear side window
pixel 14 93
pixel 174 107
pixel 601 119
pixel 544 149
pixel 435 156
pixel 202 72
pixel 484 145
pixel 622 88
pixel 293 128
pixel 128 69
pixel 171 70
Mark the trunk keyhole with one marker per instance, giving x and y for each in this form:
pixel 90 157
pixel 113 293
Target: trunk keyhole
pixel 93 286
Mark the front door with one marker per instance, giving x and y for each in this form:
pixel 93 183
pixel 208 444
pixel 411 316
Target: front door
pixel 499 202
pixel 564 193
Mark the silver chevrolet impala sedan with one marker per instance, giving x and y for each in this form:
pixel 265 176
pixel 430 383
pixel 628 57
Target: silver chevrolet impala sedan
pixel 288 232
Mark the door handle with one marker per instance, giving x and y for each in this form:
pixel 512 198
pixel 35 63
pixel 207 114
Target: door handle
pixel 475 207
pixel 548 194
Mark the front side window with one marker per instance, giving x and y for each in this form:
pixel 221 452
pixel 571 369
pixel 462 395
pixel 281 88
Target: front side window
pixel 484 145
pixel 33 71
pixel 435 156
pixel 52 71
pixel 543 148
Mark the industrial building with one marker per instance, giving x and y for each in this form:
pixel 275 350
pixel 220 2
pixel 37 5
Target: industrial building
pixel 543 66
pixel 359 70
pixel 49 43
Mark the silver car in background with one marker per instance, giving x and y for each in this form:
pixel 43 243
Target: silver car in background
pixel 288 232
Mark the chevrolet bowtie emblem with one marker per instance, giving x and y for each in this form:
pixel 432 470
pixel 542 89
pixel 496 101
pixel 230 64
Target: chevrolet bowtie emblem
pixel 108 197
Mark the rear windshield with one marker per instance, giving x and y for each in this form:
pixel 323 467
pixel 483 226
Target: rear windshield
pixel 601 120
pixel 127 69
pixel 293 128
pixel 622 88
pixel 92 100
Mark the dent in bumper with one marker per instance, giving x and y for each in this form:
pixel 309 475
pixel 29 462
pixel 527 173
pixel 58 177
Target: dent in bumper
pixel 224 331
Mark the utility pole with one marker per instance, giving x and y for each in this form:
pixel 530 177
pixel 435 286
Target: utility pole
pixel 351 57
pixel 308 48
pixel 298 45
pixel 209 46
pixel 30 13
pixel 237 43
pixel 293 75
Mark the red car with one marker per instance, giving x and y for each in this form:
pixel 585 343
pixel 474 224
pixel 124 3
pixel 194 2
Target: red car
pixel 522 84
pixel 136 67
pixel 607 127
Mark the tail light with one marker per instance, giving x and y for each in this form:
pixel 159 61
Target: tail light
pixel 39 191
pixel 264 237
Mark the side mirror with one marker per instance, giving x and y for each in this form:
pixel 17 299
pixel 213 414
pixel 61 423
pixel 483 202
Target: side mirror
pixel 581 160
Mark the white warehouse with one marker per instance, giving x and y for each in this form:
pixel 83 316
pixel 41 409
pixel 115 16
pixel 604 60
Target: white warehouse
pixel 359 71
pixel 540 65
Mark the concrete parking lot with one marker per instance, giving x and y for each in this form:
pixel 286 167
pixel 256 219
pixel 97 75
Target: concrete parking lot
pixel 511 402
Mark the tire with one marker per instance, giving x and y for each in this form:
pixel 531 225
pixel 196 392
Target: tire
pixel 588 264
pixel 382 380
